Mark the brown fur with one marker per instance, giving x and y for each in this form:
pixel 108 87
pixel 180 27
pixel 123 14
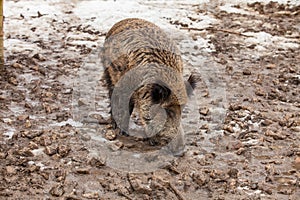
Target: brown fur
pixel 134 42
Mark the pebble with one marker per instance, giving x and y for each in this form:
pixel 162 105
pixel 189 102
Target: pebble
pixel 247 72
pixel 234 145
pixel 17 66
pixel 57 190
pixel 228 128
pixel 31 134
pixel 254 186
pixel 40 57
pixel 83 170
pixel 275 136
pixel 259 92
pixel 271 66
pixel 22 117
pixel 3 155
pixel 233 172
pixel 297 163
pixel 28 124
pixel 110 134
pixel 240 151
pixel 45 141
pixel 91 195
pixel 50 150
pixel 63 150
pixel 33 145
pixel 234 107
pixel 97 162
pixel 266 122
pixel 11 170
pixel 200 178
pixel 13 81
pixel 35 68
pixel 116 145
pixel 138 186
pixel 204 111
pixel 26 152
pixel 49 94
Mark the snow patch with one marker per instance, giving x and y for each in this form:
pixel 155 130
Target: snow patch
pixel 70 122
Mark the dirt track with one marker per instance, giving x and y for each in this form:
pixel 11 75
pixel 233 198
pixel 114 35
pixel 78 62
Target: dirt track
pixel 242 143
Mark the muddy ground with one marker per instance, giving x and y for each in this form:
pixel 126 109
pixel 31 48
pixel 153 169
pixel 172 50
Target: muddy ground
pixel 243 139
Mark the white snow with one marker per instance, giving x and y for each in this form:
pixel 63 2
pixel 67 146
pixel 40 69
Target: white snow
pixel 69 121
pixel 9 133
pixel 230 9
pixel 268 41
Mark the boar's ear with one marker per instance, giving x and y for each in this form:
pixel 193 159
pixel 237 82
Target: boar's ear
pixel 159 93
pixel 191 84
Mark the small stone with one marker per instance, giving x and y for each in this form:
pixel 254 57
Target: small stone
pixel 246 72
pixel 91 195
pixel 205 127
pixel 259 92
pixel 204 111
pixel 57 190
pixel 297 163
pixel 219 175
pixel 228 128
pixel 116 146
pixel 11 170
pixel 240 151
pixel 3 155
pixel 83 170
pixel 234 145
pixel 50 150
pixel 200 178
pixel 266 122
pixel 234 107
pixel 97 162
pixel 40 57
pixel 295 128
pixel 271 66
pixel 7 121
pixel 35 68
pixel 233 173
pixel 275 136
pixel 67 91
pixel 33 145
pixel 63 150
pixel 26 152
pixel 194 37
pixel 205 94
pixel 31 134
pixel 138 186
pixel 28 124
pixel 81 102
pixel 34 168
pixel 71 197
pixel 17 66
pixel 60 175
pixel 254 186
pixel 110 135
pixel 2 97
pixel 49 94
pixel 13 81
pixel 85 137
pixel 22 117
pixel 45 175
